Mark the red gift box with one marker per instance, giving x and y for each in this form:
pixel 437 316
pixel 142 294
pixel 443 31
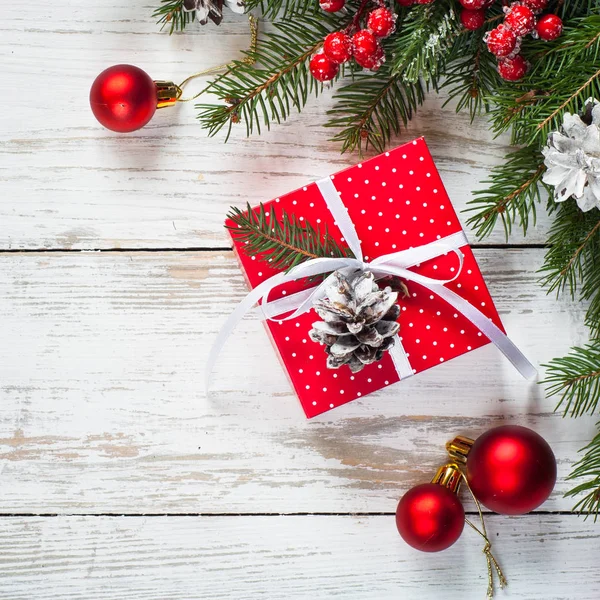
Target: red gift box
pixel 396 201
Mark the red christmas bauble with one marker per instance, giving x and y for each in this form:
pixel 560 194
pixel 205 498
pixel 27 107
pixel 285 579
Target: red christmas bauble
pixel 430 517
pixel 322 68
pixel 123 98
pixel 536 5
pixel 512 69
pixel 381 22
pixel 364 45
pixel 511 469
pixel 332 5
pixel 473 4
pixel 520 19
pixel 472 19
pixel 549 27
pixel 337 47
pixel 501 41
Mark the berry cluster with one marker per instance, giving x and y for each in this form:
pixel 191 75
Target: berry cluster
pixel 504 41
pixel 362 44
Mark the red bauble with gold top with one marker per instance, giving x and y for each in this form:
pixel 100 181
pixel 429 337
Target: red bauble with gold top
pixel 430 516
pixel 123 98
pixel 510 469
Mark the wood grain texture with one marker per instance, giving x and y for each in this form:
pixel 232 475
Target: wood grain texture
pixel 317 558
pixel 103 410
pixel 68 183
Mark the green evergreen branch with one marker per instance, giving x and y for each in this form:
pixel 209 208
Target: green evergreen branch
pixel 511 194
pixel 273 80
pixel 372 108
pixel 574 252
pixel 576 379
pixel 421 46
pixel 588 468
pixel 283 243
pixel 170 14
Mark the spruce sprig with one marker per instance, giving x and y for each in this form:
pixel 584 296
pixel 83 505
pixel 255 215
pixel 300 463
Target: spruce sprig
pixel 170 14
pixel 588 469
pixel 511 194
pixel 284 242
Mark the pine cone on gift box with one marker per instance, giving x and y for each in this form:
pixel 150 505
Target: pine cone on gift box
pixel 212 9
pixel 359 321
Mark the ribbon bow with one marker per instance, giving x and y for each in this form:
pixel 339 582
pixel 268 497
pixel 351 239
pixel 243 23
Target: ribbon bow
pixel 396 263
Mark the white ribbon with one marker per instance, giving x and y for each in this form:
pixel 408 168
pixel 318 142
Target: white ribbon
pixel 395 264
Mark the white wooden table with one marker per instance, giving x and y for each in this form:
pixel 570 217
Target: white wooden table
pixel 118 478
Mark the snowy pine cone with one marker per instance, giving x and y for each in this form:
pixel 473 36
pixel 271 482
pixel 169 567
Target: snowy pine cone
pixel 359 321
pixel 572 158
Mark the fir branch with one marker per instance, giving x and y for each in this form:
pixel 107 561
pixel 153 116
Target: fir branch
pixel 171 14
pixel 574 253
pixel 511 195
pixel 372 108
pixel 576 379
pixel 587 467
pixel 270 9
pixel 421 46
pixel 272 80
pixel 284 243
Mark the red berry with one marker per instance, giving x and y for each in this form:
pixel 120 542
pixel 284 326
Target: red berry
pixel 520 19
pixel 549 27
pixel 364 45
pixel 405 2
pixel 332 5
pixel 473 4
pixel 472 19
pixel 374 61
pixel 512 69
pixel 535 5
pixel 322 68
pixel 501 41
pixel 488 3
pixel 381 22
pixel 338 47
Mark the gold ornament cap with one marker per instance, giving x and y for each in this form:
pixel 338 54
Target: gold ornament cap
pixel 459 448
pixel 449 476
pixel 167 93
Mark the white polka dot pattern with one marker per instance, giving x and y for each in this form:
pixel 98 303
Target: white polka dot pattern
pixel 415 210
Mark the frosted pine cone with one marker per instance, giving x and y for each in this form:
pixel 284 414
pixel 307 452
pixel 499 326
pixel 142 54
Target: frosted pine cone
pixel 212 9
pixel 572 158
pixel 359 321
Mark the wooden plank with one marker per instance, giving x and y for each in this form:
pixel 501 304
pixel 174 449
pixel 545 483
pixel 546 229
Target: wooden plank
pixel 67 183
pixel 103 408
pixel 543 556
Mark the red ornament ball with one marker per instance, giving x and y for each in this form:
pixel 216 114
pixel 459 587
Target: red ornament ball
pixel 337 47
pixel 536 5
pixel 123 98
pixel 512 69
pixel 332 5
pixel 501 41
pixel 364 45
pixel 520 19
pixel 511 470
pixel 549 27
pixel 323 68
pixel 405 2
pixel 473 4
pixel 430 517
pixel 381 22
pixel 472 19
